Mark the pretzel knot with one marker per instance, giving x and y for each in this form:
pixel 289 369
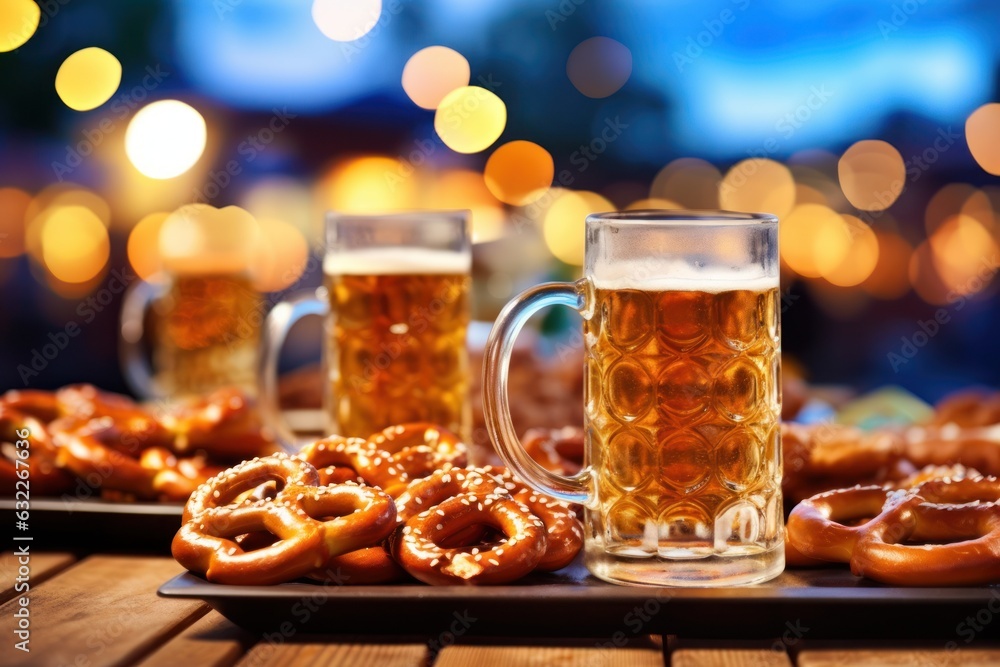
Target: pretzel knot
pixel 390 459
pixel 941 532
pixel 312 524
pixel 481 526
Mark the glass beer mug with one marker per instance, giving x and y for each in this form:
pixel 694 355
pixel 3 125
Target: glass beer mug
pixel 206 311
pixel 396 307
pixel 682 474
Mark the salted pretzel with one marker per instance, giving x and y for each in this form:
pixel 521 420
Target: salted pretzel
pixel 44 477
pixel 313 524
pixel 968 408
pixel 977 447
pixel 224 424
pixel 390 459
pixel 438 551
pixel 564 532
pixel 946 533
pixel 942 532
pixel 557 450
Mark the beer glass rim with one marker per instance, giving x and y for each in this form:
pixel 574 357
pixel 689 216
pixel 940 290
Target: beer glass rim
pixel 682 217
pixel 415 216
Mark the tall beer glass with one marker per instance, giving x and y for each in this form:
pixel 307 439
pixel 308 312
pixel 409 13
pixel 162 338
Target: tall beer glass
pixel 396 307
pixel 682 474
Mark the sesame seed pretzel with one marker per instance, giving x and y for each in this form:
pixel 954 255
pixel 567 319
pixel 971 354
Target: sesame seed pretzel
pixel 313 524
pixel 390 459
pixel 442 514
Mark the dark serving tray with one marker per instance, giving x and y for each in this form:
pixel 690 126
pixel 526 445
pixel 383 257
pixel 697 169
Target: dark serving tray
pixel 817 603
pixel 99 525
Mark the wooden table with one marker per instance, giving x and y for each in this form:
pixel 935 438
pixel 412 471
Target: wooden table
pixel 103 610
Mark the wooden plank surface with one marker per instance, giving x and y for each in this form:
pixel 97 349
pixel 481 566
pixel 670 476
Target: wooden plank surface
pixel 42 565
pixel 729 658
pixel 890 658
pixel 102 611
pixel 303 654
pixel 211 642
pixel 544 656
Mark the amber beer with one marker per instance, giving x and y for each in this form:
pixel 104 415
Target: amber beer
pixel 208 333
pixel 683 405
pixel 396 339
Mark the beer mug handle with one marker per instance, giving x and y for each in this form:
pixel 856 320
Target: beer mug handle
pixel 575 489
pixel 279 322
pixel 131 331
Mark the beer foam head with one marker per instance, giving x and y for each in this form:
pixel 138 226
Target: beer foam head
pixel 202 239
pixel 396 261
pixel 696 254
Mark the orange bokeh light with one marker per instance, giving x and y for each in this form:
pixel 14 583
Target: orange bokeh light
pixel 690 182
pixel 519 172
pixel 982 132
pixel 13 205
pixel 872 175
pixel 143 245
pixel 758 185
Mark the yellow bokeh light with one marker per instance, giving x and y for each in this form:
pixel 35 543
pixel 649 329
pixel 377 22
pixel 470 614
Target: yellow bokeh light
pixel 872 175
pixel 564 227
pixel 982 132
pixel 470 119
pixel 165 139
pixel 599 66
pixel 758 185
pixel 282 255
pixel 956 198
pixel 431 73
pixel 199 238
pixel 52 197
pixel 926 281
pixel 652 203
pixel 346 20
pixel 284 199
pixel 144 245
pixel 690 182
pixel 88 78
pixel 18 22
pixel 462 189
pixel 519 172
pixel 805 194
pixel 13 205
pixel 890 277
pixel 798 232
pixel 859 258
pixel 373 184
pixel 75 245
pixel 962 249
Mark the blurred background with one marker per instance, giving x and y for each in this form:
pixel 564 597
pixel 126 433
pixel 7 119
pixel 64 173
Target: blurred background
pixel 871 128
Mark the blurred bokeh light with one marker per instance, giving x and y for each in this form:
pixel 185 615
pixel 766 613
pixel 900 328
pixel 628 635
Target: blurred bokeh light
pixel 519 172
pixel 982 132
pixel 691 182
pixel 469 119
pixel 564 223
pixel 144 245
pixel 88 78
pixel 433 72
pixel 18 22
pixel 758 185
pixel 872 175
pixel 75 245
pixel 346 20
pixel 164 139
pixel 13 206
pixel 599 66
